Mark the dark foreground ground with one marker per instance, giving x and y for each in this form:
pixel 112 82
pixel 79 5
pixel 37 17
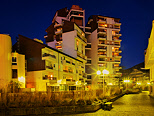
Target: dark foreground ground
pixel 129 105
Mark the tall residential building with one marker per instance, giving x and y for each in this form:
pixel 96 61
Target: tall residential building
pixel 102 50
pixel 149 59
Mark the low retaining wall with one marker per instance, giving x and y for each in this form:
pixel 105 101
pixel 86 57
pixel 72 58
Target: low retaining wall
pixel 52 110
pixel 55 110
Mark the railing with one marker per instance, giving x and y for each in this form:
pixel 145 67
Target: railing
pixel 49 67
pixel 81 37
pixel 58 44
pixel 65 70
pixel 46 55
pixel 79 54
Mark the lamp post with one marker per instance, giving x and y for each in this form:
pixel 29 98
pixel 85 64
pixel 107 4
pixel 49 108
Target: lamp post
pixel 104 72
pixel 126 81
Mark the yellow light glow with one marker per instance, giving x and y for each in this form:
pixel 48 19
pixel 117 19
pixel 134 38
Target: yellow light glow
pixel 59 81
pixel 126 81
pixel 76 82
pixel 98 72
pixel 148 83
pixel 105 71
pixel 139 83
pixel 110 84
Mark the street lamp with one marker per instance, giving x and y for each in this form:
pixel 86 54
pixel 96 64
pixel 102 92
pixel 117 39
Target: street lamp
pixel 104 72
pixel 126 81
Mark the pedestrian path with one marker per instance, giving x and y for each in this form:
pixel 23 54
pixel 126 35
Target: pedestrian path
pixel 128 105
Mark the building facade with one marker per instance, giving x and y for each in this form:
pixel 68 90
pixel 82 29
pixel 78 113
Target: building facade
pixel 149 59
pixel 49 69
pixel 103 49
pixel 72 56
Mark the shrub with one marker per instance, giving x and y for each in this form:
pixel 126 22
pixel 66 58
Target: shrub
pixel 65 103
pixel 72 102
pixel 89 102
pixel 55 103
pixel 81 102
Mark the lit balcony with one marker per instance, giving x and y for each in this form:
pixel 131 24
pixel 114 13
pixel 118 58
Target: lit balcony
pixel 101 38
pixel 47 56
pixel 70 81
pixel 64 70
pixel 53 80
pixel 58 45
pixel 118 73
pixel 101 21
pixel 88 47
pixel 101 55
pixel 79 35
pixel 102 26
pixel 70 71
pixel 101 43
pixel 117 23
pixel 57 25
pixel 88 30
pixel 117 44
pixel 101 60
pixel 58 32
pixel 102 48
pixel 117 61
pixel 118 34
pixel 79 54
pixel 117 40
pixel 88 62
pixel 119 56
pixel 49 67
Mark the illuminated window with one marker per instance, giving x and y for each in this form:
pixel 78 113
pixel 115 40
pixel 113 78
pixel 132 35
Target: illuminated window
pixel 77 42
pixel 113 32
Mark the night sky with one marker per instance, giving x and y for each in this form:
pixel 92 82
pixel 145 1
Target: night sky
pixel 30 18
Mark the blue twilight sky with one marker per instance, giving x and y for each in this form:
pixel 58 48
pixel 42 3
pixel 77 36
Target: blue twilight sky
pixel 30 18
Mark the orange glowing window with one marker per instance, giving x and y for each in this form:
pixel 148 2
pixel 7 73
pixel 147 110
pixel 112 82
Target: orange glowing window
pixel 105 25
pixel 77 43
pixel 113 32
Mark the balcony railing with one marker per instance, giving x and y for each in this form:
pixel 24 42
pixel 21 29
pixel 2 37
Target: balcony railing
pixel 49 67
pixel 81 37
pixel 49 55
pixel 102 49
pixel 58 44
pixel 65 70
pixel 79 54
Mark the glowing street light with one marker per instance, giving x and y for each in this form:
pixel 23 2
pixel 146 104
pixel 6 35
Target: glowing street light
pixel 98 72
pixel 126 81
pixel 104 72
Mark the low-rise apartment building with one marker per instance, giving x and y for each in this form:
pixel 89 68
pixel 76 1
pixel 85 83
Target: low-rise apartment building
pixel 49 69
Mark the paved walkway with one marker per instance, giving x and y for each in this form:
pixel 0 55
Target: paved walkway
pixel 128 105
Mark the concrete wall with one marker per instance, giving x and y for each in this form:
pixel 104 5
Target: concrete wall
pixel 5 60
pixel 68 45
